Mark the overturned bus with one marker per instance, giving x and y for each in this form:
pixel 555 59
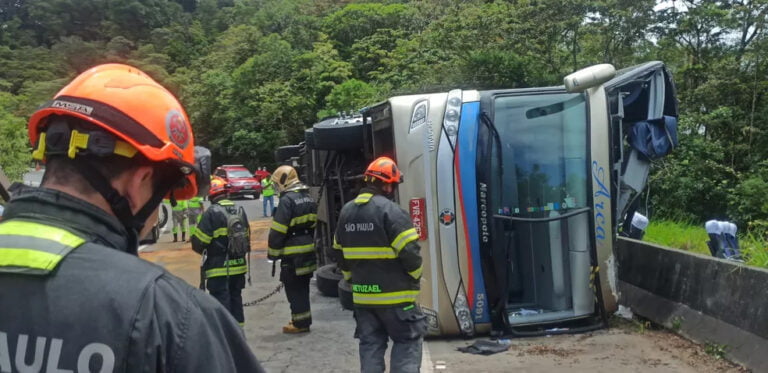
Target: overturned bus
pixel 518 195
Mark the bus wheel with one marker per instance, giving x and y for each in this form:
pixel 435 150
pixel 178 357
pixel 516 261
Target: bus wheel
pixel 328 278
pixel 345 295
pixel 343 134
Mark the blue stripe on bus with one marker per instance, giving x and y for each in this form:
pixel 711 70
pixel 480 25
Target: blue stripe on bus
pixel 467 157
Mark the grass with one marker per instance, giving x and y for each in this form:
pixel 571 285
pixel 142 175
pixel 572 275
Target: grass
pixel 689 237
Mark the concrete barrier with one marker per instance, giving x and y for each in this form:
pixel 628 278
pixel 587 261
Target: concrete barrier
pixel 706 299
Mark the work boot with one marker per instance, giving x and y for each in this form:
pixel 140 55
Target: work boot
pixel 182 237
pixel 175 238
pixel 291 329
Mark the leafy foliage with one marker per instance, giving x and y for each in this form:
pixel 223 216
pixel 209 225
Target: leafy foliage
pixel 253 74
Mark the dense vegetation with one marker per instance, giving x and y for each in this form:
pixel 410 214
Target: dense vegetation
pixel 254 73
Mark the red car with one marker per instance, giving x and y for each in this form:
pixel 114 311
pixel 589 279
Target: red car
pixel 240 181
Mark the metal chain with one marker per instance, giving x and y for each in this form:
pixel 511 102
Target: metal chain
pixel 257 301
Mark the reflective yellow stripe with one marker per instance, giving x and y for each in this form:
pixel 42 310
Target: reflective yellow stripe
pixel 279 227
pixel 204 238
pixel 226 202
pixel 301 316
pixel 404 238
pixel 303 219
pixel 30 258
pixel 34 248
pixel 290 250
pixel 347 274
pixel 416 273
pixel 37 230
pixel 363 198
pixel 336 244
pixel 275 252
pixel 219 272
pixel 306 270
pixel 395 297
pixel 369 253
pixel 220 232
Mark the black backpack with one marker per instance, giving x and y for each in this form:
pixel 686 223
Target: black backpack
pixel 238 233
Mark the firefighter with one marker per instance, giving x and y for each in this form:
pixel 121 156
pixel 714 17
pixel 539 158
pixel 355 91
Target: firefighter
pixel 223 274
pixel 195 211
pixel 75 295
pixel 291 240
pixel 378 253
pixel 178 215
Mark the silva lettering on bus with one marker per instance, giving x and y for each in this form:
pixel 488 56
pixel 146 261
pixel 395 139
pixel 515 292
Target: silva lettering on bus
pixel 358 227
pixel 20 362
pixel 604 196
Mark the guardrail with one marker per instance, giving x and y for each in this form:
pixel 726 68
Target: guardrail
pixel 709 300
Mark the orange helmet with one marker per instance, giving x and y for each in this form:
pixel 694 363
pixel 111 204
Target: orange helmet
pixel 218 186
pixel 384 169
pixel 139 112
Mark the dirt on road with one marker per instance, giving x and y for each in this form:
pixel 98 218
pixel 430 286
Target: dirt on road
pixel 628 346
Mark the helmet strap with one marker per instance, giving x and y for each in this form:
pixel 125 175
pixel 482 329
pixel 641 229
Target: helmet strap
pixel 120 207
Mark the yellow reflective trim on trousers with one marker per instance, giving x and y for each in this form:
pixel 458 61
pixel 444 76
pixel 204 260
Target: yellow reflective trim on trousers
pixel 290 250
pixel 395 297
pixel 347 274
pixel 220 232
pixel 306 270
pixel 37 230
pixel 204 238
pixel 416 273
pixel 279 227
pixel 219 272
pixel 303 219
pixel 381 252
pixel 301 316
pixel 363 198
pixel 275 252
pixel 30 258
pixel 404 237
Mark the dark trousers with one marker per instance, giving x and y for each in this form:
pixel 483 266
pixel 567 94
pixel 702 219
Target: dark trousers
pixel 297 291
pixel 228 291
pixel 406 326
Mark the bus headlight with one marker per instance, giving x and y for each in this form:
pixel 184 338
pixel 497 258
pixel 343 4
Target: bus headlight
pixel 452 113
pixel 463 315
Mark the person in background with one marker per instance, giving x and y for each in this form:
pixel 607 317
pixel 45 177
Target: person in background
pixel 178 215
pixel 75 294
pixel 291 240
pixel 195 211
pixel 268 195
pixel 223 270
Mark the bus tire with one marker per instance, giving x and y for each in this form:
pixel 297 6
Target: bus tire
pixel 345 295
pixel 346 135
pixel 327 280
pixel 287 152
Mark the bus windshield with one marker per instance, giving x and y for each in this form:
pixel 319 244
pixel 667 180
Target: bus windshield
pixel 543 140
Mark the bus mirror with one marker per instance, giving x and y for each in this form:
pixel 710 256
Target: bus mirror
pixel 589 77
